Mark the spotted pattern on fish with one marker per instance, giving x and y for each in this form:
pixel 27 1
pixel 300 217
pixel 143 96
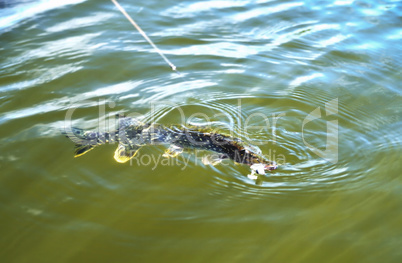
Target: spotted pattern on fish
pixel 132 134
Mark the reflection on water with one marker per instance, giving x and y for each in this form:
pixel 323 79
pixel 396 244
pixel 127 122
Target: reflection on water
pixel 17 11
pixel 262 71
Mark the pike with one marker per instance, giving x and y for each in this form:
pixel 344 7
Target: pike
pixel 132 134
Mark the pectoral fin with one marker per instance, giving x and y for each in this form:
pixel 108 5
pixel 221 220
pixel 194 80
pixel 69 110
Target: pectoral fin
pixel 81 149
pixel 124 153
pixel 173 151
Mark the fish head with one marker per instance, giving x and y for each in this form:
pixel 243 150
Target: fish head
pixel 260 168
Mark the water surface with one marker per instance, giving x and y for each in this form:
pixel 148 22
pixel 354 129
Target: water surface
pixel 314 84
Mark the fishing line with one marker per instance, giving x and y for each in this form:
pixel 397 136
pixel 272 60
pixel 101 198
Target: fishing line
pixel 145 35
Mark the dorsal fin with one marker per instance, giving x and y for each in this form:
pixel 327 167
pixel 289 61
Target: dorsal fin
pixel 125 122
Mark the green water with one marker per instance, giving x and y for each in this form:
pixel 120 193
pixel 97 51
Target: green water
pixel 314 84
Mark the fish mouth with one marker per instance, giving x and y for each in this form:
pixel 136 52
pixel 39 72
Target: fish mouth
pixel 260 168
pixel 270 167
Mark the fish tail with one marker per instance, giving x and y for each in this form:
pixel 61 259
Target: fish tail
pixel 84 140
pixel 80 149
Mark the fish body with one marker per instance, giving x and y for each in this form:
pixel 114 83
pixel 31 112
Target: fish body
pixel 132 135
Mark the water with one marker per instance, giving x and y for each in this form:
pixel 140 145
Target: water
pixel 320 78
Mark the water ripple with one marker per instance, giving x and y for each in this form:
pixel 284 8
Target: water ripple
pixel 21 12
pixel 239 59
